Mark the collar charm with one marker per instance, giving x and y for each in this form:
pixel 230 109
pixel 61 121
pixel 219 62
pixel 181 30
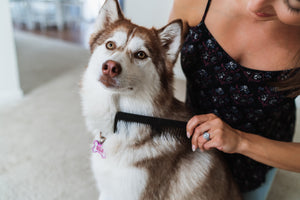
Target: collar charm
pixel 98 146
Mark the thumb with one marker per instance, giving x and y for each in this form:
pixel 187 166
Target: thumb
pixel 212 144
pixel 209 145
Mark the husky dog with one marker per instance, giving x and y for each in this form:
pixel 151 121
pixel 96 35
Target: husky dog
pixel 131 70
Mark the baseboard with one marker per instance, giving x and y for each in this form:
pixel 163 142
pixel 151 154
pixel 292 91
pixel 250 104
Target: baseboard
pixel 10 97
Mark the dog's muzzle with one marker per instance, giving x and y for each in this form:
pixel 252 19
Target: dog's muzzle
pixel 110 70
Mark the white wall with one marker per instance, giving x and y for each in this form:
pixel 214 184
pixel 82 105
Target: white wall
pixel 9 80
pixel 148 12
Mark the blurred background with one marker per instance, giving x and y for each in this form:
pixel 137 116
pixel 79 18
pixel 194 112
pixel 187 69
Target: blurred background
pixel 44 146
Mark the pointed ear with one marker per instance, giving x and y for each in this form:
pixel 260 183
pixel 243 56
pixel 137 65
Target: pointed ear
pixel 171 39
pixel 108 14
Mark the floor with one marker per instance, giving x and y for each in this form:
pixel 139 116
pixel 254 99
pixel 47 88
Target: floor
pixel 44 145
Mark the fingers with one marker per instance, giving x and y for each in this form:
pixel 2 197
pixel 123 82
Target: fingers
pixel 215 143
pixel 197 137
pixel 222 136
pixel 201 142
pixel 196 127
pixel 194 122
pixel 209 145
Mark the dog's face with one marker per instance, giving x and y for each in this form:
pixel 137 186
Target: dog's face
pixel 130 59
pixel 125 59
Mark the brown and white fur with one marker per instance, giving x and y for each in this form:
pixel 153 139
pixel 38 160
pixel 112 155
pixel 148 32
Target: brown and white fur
pixel 139 163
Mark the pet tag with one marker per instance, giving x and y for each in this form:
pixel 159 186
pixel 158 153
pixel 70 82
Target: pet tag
pixel 98 146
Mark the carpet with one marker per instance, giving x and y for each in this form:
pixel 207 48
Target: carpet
pixel 41 59
pixel 44 146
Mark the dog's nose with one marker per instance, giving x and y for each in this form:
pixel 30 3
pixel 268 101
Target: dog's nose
pixel 111 68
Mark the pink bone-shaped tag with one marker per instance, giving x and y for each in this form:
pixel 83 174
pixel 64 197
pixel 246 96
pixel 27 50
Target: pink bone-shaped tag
pixel 98 148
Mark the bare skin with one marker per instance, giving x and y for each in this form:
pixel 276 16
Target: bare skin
pixel 258 34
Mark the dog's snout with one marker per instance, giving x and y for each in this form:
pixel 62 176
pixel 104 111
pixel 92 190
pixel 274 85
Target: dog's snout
pixel 111 68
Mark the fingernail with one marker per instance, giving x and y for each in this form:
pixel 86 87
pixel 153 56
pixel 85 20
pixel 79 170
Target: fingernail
pixel 193 148
pixel 188 134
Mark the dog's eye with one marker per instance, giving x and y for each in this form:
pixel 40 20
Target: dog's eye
pixel 110 45
pixel 140 55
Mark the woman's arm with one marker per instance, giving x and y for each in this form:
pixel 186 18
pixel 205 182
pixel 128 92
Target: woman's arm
pixel 284 155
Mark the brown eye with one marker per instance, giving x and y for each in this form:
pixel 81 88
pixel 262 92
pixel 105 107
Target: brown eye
pixel 140 55
pixel 110 45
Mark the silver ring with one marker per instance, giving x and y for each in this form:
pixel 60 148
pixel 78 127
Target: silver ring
pixel 206 136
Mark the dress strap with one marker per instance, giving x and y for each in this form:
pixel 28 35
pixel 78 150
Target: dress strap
pixel 206 10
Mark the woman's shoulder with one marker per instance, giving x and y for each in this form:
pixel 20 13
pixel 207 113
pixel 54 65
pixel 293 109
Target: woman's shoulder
pixel 189 11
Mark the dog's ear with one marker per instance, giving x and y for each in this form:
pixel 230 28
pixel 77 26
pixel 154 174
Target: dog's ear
pixel 171 39
pixel 108 14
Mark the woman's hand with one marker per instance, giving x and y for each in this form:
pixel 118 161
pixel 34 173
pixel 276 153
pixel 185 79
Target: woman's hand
pixel 222 136
pixel 283 155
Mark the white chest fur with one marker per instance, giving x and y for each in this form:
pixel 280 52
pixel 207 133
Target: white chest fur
pixel 116 175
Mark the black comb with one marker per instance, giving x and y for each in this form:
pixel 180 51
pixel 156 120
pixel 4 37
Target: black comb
pixel 156 123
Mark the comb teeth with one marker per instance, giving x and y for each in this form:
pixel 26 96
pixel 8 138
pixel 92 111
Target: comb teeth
pixel 155 122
